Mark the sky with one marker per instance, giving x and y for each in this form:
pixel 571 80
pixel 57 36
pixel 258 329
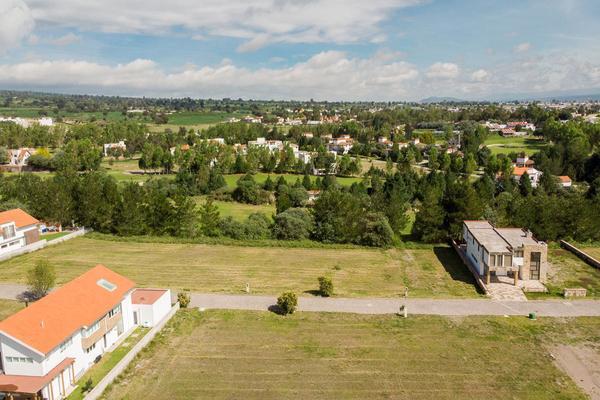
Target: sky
pixel 390 50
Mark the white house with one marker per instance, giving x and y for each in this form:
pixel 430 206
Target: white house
pixel 534 174
pixel 504 251
pixel 17 229
pixel 19 157
pixel 565 181
pixel 109 147
pixel 342 144
pixel 150 306
pixel 272 145
pixel 47 346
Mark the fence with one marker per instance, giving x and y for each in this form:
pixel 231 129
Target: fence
pixel 97 391
pixel 584 256
pixel 40 244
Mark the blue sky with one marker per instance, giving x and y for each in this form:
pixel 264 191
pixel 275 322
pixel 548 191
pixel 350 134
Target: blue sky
pixel 282 49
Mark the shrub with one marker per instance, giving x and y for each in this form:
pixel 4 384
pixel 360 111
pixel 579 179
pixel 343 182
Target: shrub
pixel 87 386
pixel 41 278
pixel 183 299
pixel 293 224
pixel 287 303
pixel 325 286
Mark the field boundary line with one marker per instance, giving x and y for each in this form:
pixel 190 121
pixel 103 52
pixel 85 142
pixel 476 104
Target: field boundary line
pixel 581 254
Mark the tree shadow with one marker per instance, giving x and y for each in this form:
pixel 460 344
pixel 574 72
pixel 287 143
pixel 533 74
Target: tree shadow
pixel 314 292
pixel 454 265
pixel 27 297
pixel 275 309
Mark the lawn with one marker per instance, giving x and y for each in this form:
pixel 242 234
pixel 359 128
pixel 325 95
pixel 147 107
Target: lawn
pixel 436 272
pixel 9 307
pixel 260 355
pixel 239 211
pixel 592 251
pixel 107 362
pixel 261 177
pixel 500 144
pixel 55 235
pixel 569 271
pixel 198 118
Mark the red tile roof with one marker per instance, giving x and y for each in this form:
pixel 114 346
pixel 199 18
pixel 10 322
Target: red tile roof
pixel 19 217
pixel 518 171
pixel 564 179
pixel 79 303
pixel 146 296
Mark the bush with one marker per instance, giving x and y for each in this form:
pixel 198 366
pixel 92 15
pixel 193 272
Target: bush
pixel 87 386
pixel 287 303
pixel 325 286
pixel 183 299
pixel 293 224
pixel 41 278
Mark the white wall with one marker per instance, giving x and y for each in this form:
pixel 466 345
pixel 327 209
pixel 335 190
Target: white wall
pixel 11 348
pixel 150 314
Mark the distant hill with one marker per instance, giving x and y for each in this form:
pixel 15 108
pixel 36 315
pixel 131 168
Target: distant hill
pixel 434 99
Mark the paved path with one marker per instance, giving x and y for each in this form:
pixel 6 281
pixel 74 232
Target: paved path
pixel 548 308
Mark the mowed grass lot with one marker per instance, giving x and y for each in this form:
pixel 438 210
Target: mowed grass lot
pixel 499 144
pixel 260 355
pixel 9 307
pixel 569 271
pixel 238 211
pixel 434 272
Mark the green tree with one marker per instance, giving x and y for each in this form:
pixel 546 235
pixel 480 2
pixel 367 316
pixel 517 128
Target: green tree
pixel 287 303
pixel 325 286
pixel 209 218
pixel 41 279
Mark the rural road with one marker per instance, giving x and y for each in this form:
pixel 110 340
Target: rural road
pixel 449 307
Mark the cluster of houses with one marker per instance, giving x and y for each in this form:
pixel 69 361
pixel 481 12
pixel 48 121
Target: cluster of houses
pixel 27 122
pixel 524 164
pixel 46 347
pixel 513 128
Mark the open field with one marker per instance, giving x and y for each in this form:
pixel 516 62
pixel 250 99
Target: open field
pixel 269 270
pixel 499 144
pixel 569 271
pixel 260 355
pixel 196 118
pixel 9 307
pixel 592 251
pixel 238 211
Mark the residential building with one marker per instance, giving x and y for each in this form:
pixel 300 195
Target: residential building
pixel 19 157
pixel 524 161
pixel 47 346
pixel 109 148
pixel 503 251
pixel 534 174
pixel 565 181
pixel 150 306
pixel 272 145
pixel 342 144
pixel 17 229
pixel 508 132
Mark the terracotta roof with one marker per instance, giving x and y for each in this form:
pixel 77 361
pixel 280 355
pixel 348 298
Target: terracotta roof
pixel 146 296
pixel 20 218
pixel 564 178
pixel 520 170
pixel 48 322
pixel 31 384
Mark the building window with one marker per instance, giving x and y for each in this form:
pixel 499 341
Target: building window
pixel 64 345
pixel 8 231
pixel 27 360
pixel 89 349
pixel 114 311
pixel 519 253
pixel 91 330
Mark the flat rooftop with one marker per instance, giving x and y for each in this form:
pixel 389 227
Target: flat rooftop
pixel 146 296
pixel 499 240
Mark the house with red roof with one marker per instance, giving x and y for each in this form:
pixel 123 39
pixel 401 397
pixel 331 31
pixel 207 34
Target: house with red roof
pixel 534 174
pixel 46 347
pixel 565 181
pixel 17 229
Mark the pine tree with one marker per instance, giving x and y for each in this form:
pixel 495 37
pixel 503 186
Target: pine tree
pixel 209 218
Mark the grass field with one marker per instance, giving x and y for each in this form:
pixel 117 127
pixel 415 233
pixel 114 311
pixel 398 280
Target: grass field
pixel 260 355
pixel 499 144
pixel 592 251
pixel 269 270
pixel 197 118
pixel 568 271
pixel 55 235
pixel 9 307
pixel 239 211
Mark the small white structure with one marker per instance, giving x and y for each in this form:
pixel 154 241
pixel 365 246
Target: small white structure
pixel 109 147
pixel 19 157
pixel 150 306
pixel 565 181
pixel 17 229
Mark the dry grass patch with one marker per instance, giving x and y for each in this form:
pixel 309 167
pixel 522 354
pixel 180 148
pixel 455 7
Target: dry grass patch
pixel 215 268
pixel 259 355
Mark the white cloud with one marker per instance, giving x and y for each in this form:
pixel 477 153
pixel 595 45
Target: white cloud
pixel 441 70
pixel 522 47
pixel 480 75
pixel 16 23
pixel 65 40
pixel 259 22
pixel 326 75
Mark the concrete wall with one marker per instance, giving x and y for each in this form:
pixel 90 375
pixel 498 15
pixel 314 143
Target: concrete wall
pixel 97 391
pixel 581 254
pixel 524 271
pixel 39 245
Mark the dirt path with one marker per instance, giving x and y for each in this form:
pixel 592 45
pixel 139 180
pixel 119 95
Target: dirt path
pixel 582 364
